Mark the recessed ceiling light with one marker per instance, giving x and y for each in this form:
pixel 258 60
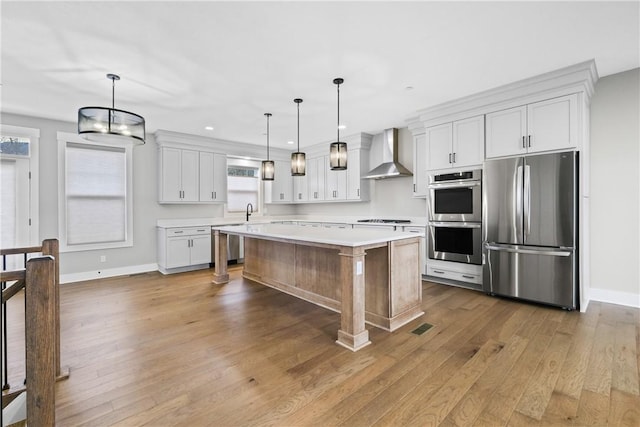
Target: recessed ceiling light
pixel 208 127
pixel 290 142
pixel 408 88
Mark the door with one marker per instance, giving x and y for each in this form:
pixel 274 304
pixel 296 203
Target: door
pixel 201 249
pixel 14 209
pixel 549 199
pixel 171 175
pixel 190 176
pixel 468 141
pixel 300 188
pixel 439 141
pixel 419 166
pixel 219 177
pixel 537 275
pixel 502 200
pixel 178 252
pixel 207 193
pixel 553 124
pixel 505 132
pixel 354 178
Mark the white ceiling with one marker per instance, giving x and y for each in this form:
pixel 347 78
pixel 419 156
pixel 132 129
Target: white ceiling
pixel 186 65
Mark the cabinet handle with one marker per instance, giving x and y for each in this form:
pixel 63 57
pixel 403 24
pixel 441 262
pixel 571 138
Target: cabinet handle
pixel 414 188
pixel 358 192
pixel 449 157
pixel 299 196
pixel 439 272
pixel 178 232
pixel 529 140
pixel 454 157
pixel 202 230
pixel 315 194
pixel 468 277
pixel 524 145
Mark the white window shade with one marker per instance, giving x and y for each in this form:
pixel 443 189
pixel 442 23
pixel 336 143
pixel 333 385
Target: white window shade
pixel 96 195
pixel 242 190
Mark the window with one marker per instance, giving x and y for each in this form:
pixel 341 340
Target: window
pixel 96 208
pixel 243 187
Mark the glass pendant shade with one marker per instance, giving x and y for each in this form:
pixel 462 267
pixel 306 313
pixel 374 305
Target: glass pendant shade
pixel 268 170
pixel 338 156
pixel 298 159
pixel 104 124
pixel 298 164
pixel 338 150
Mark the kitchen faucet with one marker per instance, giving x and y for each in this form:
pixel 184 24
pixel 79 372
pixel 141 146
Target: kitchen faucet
pixel 249 210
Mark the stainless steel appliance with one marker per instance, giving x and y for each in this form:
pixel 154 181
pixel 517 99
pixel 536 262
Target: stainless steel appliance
pixel 455 241
pixel 385 221
pixel 456 196
pixel 530 243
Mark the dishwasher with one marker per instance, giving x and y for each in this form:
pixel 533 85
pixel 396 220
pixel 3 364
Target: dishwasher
pixel 235 249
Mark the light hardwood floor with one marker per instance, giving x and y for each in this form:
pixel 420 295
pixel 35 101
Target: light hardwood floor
pixel 177 350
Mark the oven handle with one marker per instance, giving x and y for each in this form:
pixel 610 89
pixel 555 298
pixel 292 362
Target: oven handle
pixel 456 184
pixel 455 224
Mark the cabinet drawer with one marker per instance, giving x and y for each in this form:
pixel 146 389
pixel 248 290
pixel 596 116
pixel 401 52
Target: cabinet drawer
pixel 454 275
pixel 188 231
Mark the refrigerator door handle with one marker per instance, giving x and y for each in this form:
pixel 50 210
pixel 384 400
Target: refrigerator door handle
pixel 518 207
pixel 527 200
pixel 517 250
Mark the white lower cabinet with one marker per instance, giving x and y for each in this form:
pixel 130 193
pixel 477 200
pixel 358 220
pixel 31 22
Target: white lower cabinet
pixel 455 273
pixel 183 249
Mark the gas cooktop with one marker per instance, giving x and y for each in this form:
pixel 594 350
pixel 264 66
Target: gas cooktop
pixel 386 221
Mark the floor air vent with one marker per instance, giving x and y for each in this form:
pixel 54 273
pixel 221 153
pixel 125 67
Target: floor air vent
pixel 422 329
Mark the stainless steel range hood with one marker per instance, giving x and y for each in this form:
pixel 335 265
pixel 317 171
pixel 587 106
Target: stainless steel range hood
pixel 390 167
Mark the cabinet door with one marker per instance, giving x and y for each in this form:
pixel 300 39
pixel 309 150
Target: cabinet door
pixel 553 124
pixel 419 166
pixel 219 177
pixel 336 187
pixel 439 141
pixel 505 132
pixel 206 177
pixel 171 175
pixel 282 186
pixel 178 252
pixel 354 179
pixel 300 187
pixel 201 249
pixel 468 141
pixel 190 176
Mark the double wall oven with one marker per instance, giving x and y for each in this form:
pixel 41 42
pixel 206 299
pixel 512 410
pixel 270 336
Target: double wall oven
pixel 455 217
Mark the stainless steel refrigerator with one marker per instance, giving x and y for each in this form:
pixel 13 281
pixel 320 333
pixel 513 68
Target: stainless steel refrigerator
pixel 530 213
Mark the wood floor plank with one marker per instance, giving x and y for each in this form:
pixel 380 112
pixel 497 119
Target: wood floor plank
pixel 625 409
pixel 598 378
pixel 593 409
pixel 625 360
pixel 536 395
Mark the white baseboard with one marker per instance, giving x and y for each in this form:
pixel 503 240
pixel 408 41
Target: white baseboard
pixel 615 297
pixel 108 272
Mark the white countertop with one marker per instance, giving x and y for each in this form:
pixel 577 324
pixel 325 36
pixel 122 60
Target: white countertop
pixel 199 222
pixel 340 237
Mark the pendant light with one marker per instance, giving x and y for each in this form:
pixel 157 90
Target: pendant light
pixel 298 159
pixel 338 150
pixel 268 167
pixel 104 124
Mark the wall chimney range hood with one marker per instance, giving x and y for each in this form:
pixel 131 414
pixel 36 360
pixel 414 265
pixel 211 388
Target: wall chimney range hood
pixel 390 167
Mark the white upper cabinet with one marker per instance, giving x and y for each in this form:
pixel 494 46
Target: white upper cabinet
pixel 316 172
pixel 213 177
pixel 179 180
pixel 301 187
pixel 336 183
pixel 468 142
pixel 282 184
pixel 456 144
pixel 419 166
pixel 542 126
pixel 357 164
pixel 439 142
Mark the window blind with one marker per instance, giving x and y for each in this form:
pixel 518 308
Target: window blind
pixel 96 194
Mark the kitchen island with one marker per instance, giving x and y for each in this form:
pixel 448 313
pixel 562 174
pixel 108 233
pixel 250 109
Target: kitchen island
pixel 327 267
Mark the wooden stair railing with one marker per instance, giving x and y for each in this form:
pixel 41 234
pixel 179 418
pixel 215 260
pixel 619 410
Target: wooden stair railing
pixel 40 280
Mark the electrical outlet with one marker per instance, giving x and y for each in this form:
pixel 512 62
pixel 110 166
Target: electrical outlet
pixel 103 258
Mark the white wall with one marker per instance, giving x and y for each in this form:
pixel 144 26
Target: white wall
pixel 615 189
